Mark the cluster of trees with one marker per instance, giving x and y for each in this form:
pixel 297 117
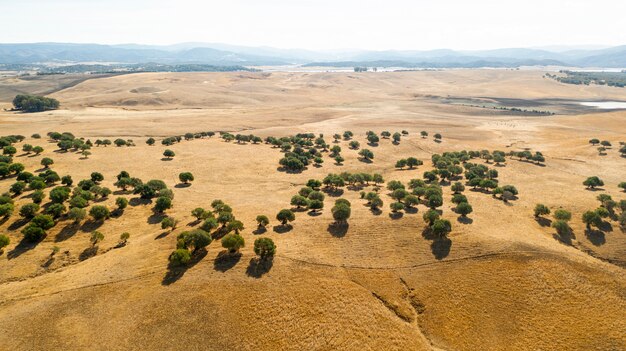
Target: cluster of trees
pixel 178 138
pixel 614 79
pixel 241 138
pixel 34 103
pixel 410 162
pixel 333 181
pixel 419 192
pixel 222 220
pixel 591 218
pixel 77 198
pixel 7 166
pixel 605 144
pixel 309 197
pixel 448 168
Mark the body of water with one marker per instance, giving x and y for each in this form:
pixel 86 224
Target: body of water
pixel 606 105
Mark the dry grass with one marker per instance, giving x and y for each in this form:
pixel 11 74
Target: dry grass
pixel 500 283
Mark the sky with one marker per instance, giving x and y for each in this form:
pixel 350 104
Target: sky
pixel 319 24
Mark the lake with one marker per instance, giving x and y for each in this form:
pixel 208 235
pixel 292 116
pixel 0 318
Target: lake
pixel 606 105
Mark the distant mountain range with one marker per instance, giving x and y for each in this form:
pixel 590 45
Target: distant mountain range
pixel 223 54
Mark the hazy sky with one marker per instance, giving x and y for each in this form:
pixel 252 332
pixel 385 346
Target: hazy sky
pixel 319 24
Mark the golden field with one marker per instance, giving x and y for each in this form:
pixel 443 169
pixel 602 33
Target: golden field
pixel 501 282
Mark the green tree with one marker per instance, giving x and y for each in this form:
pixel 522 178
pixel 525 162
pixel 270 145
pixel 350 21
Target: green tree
pixel 341 212
pixel 457 187
pixel 44 222
pixel 401 163
pixel 299 201
pixel 464 209
pixel 593 182
pixel 262 221
pixel 169 154
pixel 186 177
pixel 233 243
pixel 366 154
pixel 591 218
pixel 209 224
pixel 264 248
pixel 196 239
pixel 121 203
pixel 162 203
pixel 441 227
pixel 562 215
pixel 17 188
pixel 77 214
pixel 396 206
pixel 99 212
pixel 541 210
pixel 47 162
pixel 33 233
pixel 430 217
pixel 235 226
pixel 29 210
pixel 169 222
pixel 96 237
pixel 561 227
pixel 396 137
pixel 124 238
pixel 285 216
pixel 97 177
pixel 5 241
pixel 180 257
pixel 56 210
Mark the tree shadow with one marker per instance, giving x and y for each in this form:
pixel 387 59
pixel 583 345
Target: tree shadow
pixel 376 211
pixel 259 231
pixel 91 225
pixel 175 272
pixel 596 237
pixel 258 267
pixel 48 262
pixel 314 213
pixel 88 253
pixel 162 235
pixel 464 220
pixel 338 230
pixel 440 247
pixel 21 248
pixel 156 218
pixel 290 171
pixel 166 159
pixel 411 210
pixel 365 160
pixel 396 215
pixel 121 192
pixel 336 192
pixel 194 223
pixel 280 229
pixel 18 224
pixel 544 222
pixel 225 261
pixel 182 185
pixel 137 201
pixel 67 232
pixel 605 226
pixel 565 237
pixel 594 189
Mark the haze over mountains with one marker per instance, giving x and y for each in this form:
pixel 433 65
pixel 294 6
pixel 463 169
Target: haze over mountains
pixel 223 54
